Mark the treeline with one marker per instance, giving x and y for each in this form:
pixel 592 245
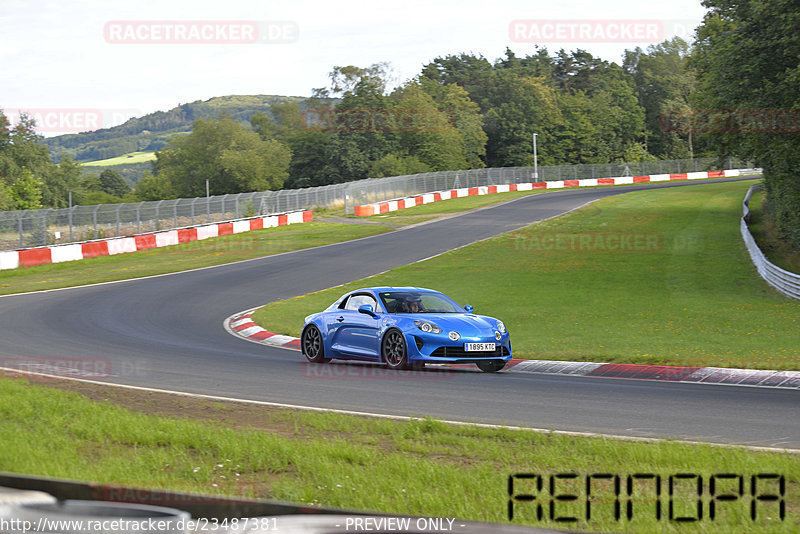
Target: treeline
pixel 747 56
pixel 669 101
pixel 459 112
pixel 30 180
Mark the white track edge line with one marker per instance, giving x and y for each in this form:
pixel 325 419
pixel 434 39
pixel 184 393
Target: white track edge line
pixel 409 417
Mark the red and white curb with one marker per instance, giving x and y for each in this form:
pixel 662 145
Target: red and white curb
pixel 426 198
pixel 12 259
pixel 242 325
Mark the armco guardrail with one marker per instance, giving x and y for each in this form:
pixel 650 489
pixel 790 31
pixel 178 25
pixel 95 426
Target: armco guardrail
pixel 784 281
pixel 44 227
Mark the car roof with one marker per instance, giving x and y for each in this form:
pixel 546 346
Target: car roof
pixel 383 289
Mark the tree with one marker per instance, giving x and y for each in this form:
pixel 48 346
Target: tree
pixel 287 119
pixel 150 187
pixel 113 183
pixel 425 132
pixel 520 107
pixel 25 192
pixel 454 101
pixel 473 73
pixel 232 158
pixel 747 58
pixel 59 180
pixel 664 82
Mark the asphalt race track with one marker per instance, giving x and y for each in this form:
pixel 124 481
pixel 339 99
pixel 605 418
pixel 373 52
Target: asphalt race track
pixel 166 332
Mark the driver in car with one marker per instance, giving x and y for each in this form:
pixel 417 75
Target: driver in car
pixel 412 305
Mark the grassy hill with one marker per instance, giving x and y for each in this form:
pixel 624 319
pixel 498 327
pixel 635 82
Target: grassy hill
pixel 153 131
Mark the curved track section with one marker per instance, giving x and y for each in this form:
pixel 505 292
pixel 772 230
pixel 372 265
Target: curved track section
pixel 166 332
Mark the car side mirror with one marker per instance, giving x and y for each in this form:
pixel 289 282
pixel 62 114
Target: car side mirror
pixel 468 308
pixel 367 309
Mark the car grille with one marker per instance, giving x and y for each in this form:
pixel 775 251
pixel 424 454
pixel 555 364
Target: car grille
pixel 459 352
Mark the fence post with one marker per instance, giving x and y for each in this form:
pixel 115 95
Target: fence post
pixel 94 219
pixel 119 206
pixel 44 229
pixel 175 211
pixel 158 217
pixel 139 219
pixel 208 210
pixel 21 240
pixel 70 221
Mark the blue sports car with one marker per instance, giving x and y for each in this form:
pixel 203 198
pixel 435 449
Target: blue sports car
pixel 405 327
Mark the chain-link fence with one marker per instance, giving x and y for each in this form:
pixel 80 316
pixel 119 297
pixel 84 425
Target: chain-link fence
pixel 34 228
pixel 381 189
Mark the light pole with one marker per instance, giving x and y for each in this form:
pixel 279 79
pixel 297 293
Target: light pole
pixel 535 158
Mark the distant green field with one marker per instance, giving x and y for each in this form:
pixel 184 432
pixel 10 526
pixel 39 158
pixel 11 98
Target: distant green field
pixel 133 157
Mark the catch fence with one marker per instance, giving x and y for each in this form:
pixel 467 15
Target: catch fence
pixel 43 227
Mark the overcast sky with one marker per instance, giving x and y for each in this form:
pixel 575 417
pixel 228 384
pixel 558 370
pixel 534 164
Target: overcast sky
pixel 67 55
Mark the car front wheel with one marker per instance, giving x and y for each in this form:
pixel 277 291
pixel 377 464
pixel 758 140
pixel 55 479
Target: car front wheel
pixel 393 350
pixel 313 348
pixel 491 366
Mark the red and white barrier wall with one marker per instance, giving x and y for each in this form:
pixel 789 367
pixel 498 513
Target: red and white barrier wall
pixel 408 202
pixel 11 259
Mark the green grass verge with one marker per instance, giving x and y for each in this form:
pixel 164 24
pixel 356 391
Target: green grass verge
pixel 226 249
pixel 133 157
pixel 422 467
pixel 213 251
pixel 777 250
pixel 682 292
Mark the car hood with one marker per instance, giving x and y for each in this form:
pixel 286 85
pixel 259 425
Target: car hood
pixel 466 324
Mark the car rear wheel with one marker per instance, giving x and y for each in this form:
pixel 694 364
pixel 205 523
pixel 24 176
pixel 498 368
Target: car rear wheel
pixel 491 366
pixel 393 350
pixel 313 348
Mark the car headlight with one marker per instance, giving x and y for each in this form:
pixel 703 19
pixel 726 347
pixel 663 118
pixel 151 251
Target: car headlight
pixel 425 326
pixel 501 327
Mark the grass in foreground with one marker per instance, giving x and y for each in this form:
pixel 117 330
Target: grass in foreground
pixel 214 251
pixel 680 291
pixel 768 238
pixel 421 467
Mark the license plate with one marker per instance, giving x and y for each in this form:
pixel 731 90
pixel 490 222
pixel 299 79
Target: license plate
pixel 479 347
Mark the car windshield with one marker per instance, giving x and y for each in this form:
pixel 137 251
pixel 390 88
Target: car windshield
pixel 418 302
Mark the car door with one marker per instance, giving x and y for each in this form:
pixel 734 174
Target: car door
pixel 355 334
